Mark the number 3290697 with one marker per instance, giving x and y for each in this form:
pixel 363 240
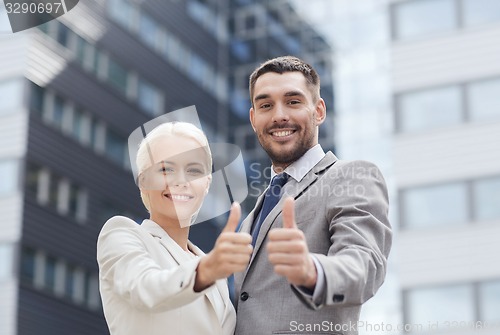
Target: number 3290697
pixel 33 8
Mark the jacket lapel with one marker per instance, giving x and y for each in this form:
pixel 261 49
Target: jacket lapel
pixel 246 225
pixel 291 189
pixel 181 256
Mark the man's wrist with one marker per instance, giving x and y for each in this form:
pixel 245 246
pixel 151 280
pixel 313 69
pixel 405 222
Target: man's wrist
pixel 312 276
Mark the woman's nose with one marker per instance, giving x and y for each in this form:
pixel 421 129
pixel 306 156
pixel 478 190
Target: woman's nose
pixel 179 178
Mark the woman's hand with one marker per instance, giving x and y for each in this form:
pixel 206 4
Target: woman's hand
pixel 231 253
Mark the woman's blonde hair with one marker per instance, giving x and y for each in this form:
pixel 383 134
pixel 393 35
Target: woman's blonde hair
pixel 183 129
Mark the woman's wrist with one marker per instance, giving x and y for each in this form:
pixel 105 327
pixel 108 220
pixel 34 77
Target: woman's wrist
pixel 202 279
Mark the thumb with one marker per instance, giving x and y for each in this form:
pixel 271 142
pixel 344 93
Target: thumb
pixel 289 213
pixel 234 218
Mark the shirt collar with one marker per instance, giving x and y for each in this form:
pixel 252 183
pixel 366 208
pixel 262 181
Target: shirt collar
pixel 298 169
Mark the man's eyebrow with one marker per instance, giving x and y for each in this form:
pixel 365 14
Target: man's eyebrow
pixel 294 93
pixel 287 94
pixel 261 97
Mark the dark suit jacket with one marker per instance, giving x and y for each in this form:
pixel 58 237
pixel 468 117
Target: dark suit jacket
pixel 342 208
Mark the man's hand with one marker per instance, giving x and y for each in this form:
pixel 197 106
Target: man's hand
pixel 288 252
pixel 231 253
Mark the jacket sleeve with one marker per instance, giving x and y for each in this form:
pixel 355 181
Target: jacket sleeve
pixel 360 235
pixel 127 270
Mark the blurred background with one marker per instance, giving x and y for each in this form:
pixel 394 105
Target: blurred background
pixel 412 85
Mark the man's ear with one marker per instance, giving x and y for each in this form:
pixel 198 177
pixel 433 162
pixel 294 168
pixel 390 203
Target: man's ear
pixel 320 112
pixel 252 118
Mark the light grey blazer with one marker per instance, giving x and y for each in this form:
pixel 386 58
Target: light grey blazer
pixel 342 208
pixel 146 282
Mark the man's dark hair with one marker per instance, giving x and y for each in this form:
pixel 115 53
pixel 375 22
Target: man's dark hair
pixel 287 64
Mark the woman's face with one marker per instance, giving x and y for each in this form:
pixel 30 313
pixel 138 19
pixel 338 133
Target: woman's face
pixel 178 181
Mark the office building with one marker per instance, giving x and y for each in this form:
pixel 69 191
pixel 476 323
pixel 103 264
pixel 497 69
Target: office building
pixel 417 86
pixel 72 90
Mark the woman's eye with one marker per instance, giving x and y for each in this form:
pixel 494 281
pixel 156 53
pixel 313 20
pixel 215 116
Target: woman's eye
pixel 195 172
pixel 165 169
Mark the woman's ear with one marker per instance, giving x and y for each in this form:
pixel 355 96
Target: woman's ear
pixel 209 181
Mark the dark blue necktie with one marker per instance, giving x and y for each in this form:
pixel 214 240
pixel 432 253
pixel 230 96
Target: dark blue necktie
pixel 271 198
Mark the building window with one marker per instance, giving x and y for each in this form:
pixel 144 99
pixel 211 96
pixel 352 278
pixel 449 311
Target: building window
pixel 12 88
pixel 434 206
pixel 93 298
pixel 58 193
pixel 417 18
pixel 486 196
pixel 443 106
pixel 441 305
pixel 480 11
pixel 50 273
pixel 117 76
pixel 483 99
pixel 422 17
pixel 27 266
pixel 6 255
pixel 149 98
pixel 208 18
pixel 451 203
pixel 115 147
pixel 59 277
pixel 489 298
pixel 123 12
pixel 422 110
pixel 10 178
pixel 63 34
pixel 37 101
pixel 171 49
pixel 149 30
pixel 32 179
pixel 69 282
pixel 57 118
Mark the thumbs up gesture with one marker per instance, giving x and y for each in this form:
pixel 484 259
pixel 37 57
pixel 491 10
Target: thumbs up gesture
pixel 230 254
pixel 288 252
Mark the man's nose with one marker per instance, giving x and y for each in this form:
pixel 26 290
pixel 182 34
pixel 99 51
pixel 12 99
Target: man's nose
pixel 280 113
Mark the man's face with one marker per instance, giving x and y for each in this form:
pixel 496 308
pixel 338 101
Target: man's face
pixel 285 117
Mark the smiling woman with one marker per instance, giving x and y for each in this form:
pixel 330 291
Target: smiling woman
pixel 151 276
pixel 174 164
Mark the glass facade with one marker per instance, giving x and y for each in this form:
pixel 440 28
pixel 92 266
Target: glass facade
pixel 441 305
pixel 7 263
pixel 434 108
pixel 482 96
pixel 439 107
pixel 426 18
pixel 10 177
pixel 478 12
pixel 486 198
pixel 12 88
pixel 450 204
pixel 489 299
pixel 60 278
pixel 421 17
pixel 434 206
pixel 465 306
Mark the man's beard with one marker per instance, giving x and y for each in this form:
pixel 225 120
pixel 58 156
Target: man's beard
pixel 285 158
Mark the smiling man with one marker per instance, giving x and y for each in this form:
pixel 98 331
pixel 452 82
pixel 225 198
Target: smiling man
pixel 320 232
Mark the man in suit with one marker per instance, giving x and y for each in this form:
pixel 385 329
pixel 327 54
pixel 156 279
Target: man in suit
pixel 321 251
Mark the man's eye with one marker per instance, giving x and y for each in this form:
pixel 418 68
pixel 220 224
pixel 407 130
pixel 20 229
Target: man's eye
pixel 265 106
pixel 294 102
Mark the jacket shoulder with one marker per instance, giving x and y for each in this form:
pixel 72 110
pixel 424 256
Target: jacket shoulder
pixel 118 222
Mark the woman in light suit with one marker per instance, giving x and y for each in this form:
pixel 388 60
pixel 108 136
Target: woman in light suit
pixel 153 280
